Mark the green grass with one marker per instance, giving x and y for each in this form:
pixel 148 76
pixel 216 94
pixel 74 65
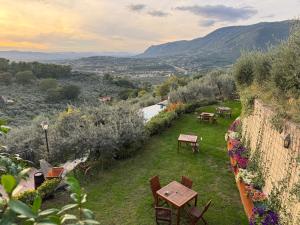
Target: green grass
pixel 122 196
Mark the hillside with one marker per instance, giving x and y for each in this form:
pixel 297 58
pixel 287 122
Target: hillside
pixel 229 40
pixel 53 56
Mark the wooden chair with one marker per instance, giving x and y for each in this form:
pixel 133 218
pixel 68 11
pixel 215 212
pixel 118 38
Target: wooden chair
pixel 186 182
pixel 155 186
pixel 196 214
pixel 163 215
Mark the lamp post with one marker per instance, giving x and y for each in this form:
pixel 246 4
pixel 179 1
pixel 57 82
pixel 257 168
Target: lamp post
pixel 45 126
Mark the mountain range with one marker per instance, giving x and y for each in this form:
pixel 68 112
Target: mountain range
pixel 224 44
pixel 217 49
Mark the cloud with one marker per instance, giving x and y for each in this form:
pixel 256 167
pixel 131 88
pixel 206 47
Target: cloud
pixel 220 12
pixel 158 13
pixel 207 23
pixel 137 7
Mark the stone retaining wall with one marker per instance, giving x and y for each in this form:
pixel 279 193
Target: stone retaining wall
pixel 279 162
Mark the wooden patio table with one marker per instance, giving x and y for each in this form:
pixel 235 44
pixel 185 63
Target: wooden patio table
pixel 178 195
pixel 206 116
pixel 187 138
pixel 224 111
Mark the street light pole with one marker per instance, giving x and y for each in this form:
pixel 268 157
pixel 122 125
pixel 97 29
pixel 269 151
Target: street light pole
pixel 45 126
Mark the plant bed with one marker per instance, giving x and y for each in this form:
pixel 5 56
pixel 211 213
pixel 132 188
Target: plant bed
pixel 249 183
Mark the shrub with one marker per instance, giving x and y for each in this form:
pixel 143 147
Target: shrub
pixel 48 187
pixel 262 67
pixel 25 77
pixel 159 122
pixel 147 100
pixel 27 196
pixel 5 78
pixel 103 133
pixel 243 69
pixel 49 83
pixel 70 92
pixel 195 90
pixel 286 66
pixel 247 100
pixel 54 94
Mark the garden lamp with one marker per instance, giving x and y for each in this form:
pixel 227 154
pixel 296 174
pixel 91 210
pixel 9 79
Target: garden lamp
pixel 45 126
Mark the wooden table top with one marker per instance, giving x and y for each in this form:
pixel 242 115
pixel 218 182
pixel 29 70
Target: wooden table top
pixel 224 108
pixel 178 194
pixel 207 114
pixel 188 138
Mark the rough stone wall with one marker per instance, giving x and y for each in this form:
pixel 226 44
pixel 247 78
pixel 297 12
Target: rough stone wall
pixel 278 161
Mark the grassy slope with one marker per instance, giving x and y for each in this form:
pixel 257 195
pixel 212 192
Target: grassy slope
pixel 122 194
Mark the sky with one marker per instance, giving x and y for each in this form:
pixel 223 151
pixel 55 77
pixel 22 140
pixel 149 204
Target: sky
pixel 125 25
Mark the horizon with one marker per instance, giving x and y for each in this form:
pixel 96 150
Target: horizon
pixel 125 27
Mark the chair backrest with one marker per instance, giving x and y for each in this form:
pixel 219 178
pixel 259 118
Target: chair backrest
pixel 155 185
pixel 186 182
pixel 206 208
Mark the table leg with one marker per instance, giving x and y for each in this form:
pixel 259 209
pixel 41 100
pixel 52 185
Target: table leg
pixel 178 146
pixel 196 199
pixel 178 216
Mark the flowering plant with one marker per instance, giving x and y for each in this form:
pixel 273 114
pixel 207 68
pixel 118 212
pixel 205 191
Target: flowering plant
pixel 262 216
pixel 255 195
pixel 235 125
pixel 234 135
pixel 245 176
pixel 241 161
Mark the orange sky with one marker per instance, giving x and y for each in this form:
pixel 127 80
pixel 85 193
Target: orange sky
pixel 125 25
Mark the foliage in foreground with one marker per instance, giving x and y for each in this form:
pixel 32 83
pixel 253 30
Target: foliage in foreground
pixel 17 212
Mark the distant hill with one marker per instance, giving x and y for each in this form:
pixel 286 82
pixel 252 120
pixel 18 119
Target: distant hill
pixel 54 56
pixel 225 43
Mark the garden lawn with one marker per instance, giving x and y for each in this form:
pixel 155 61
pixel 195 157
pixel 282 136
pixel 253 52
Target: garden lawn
pixel 122 196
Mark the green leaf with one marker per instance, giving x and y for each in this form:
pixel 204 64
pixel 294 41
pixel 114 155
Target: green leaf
pixel 74 196
pixel 37 204
pixel 8 217
pixel 21 208
pixel 88 213
pixel 68 217
pixel 83 200
pixel 67 207
pixel 48 212
pixel 90 222
pixel 8 182
pixel 74 184
pixel 24 173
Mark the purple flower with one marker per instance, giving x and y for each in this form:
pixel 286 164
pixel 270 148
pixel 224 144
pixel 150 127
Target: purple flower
pixel 259 211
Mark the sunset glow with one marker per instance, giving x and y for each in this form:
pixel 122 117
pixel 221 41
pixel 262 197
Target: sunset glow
pixel 105 25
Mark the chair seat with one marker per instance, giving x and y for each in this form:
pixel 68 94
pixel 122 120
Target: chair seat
pixel 195 212
pixel 164 215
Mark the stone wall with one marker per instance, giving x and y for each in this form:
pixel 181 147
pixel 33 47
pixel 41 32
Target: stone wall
pixel 280 163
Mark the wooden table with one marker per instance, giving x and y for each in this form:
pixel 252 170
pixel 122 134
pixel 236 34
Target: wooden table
pixel 224 111
pixel 206 116
pixel 187 138
pixel 178 195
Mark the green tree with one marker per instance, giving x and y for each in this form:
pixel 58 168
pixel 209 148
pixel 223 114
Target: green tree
pixel 25 77
pixel 141 93
pixel 163 90
pixel 5 78
pixel 107 77
pixel 70 92
pixel 54 94
pixel 49 83
pixel 243 69
pixel 4 64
